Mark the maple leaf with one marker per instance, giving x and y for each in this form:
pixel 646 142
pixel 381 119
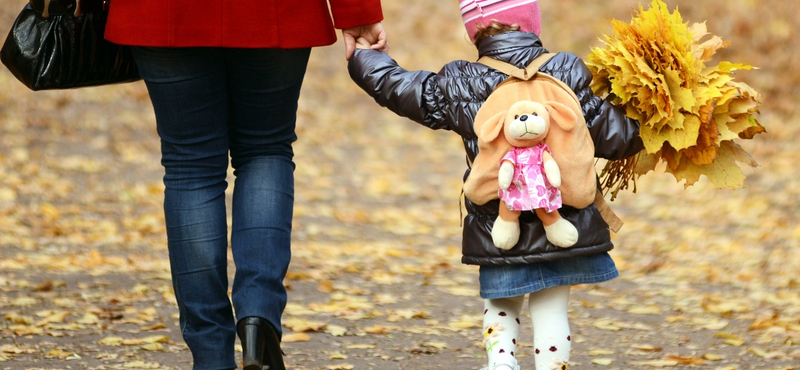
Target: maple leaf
pixel 724 173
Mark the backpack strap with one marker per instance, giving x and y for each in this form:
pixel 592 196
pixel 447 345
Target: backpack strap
pixel 611 218
pixel 522 73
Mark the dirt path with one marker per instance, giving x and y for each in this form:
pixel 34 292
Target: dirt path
pixel 708 277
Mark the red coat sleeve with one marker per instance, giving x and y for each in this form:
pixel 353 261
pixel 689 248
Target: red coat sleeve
pixel 354 13
pixel 240 23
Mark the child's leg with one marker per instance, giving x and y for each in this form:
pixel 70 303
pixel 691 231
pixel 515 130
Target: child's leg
pixel 551 336
pixel 501 329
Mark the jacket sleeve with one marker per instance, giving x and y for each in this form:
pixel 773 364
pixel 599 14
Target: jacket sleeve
pixel 410 94
pixel 615 135
pixel 354 13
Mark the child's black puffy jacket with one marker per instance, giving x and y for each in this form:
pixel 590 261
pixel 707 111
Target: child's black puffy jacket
pixel 450 100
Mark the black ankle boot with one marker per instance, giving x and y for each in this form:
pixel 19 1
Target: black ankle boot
pixel 260 344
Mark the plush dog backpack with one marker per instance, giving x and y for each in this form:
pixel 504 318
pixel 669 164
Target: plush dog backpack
pixel 570 142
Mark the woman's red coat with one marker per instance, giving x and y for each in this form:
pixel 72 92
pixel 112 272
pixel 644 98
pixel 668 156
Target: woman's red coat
pixel 236 23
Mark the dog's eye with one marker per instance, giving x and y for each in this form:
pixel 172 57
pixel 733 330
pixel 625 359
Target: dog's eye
pixel 516 116
pixel 534 113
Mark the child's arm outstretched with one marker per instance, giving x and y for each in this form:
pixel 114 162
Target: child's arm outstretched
pixel 409 94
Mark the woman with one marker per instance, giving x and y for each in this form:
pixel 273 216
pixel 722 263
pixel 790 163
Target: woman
pixel 224 78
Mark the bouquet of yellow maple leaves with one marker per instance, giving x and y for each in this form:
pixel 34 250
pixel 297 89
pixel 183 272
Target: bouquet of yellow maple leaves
pixel 689 113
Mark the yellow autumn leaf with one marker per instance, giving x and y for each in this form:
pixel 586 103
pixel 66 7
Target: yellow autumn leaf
pixel 647 347
pixel 723 173
pixel 437 345
pixel 606 324
pixel 336 330
pixel 410 313
pixel 156 339
pixel 463 324
pixel 601 352
pixel 24 301
pixel 658 363
pixel 760 352
pixel 18 319
pixel 711 324
pixel 111 341
pixel 361 346
pixel 734 342
pixel 156 326
pixel 463 291
pixel 54 318
pixel 726 306
pixel 724 335
pixel 296 337
pixel 295 309
pixel 153 347
pixel 377 329
pixel 299 325
pixel 645 310
pixel 685 360
pixel 59 353
pixel 141 365
pixel 25 330
pixel 603 361
pixel 325 286
pixel 340 367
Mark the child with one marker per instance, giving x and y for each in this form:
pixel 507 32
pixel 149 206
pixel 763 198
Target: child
pixel 507 30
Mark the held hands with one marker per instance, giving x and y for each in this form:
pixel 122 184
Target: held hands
pixel 370 36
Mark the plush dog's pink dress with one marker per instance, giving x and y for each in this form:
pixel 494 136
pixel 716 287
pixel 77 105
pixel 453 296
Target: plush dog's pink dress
pixel 530 188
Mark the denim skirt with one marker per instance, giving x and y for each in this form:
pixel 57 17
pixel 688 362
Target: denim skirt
pixel 514 280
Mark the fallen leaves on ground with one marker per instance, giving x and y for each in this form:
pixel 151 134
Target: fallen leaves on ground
pixel 708 276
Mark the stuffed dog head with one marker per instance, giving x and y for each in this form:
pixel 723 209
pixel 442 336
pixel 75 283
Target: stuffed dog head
pixel 527 123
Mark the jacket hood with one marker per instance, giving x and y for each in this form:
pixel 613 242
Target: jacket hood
pixel 514 47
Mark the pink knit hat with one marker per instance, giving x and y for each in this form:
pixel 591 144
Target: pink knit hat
pixel 524 13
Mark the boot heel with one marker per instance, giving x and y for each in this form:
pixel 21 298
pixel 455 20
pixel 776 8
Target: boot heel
pixel 252 347
pixel 260 345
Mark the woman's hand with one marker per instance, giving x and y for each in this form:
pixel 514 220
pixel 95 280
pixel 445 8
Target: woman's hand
pixel 372 35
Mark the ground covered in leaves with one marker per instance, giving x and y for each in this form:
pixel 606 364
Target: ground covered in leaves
pixel 708 277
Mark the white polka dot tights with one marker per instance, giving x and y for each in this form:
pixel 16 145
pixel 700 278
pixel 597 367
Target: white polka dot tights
pixel 551 335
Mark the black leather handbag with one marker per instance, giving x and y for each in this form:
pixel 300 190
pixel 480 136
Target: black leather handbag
pixel 59 44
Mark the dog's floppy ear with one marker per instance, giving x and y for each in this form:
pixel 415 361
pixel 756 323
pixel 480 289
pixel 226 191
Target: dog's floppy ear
pixel 492 127
pixel 481 185
pixel 561 115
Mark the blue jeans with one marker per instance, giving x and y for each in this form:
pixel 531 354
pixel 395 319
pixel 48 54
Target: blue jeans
pixel 212 103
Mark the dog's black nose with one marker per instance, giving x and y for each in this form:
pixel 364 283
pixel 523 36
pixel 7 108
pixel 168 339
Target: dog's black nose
pixel 523 117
